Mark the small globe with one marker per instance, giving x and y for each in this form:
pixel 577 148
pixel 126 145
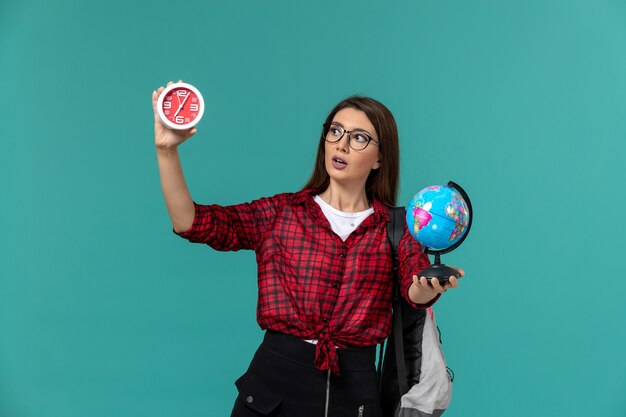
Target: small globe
pixel 438 217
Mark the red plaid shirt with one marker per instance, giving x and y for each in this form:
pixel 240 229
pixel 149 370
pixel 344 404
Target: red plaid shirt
pixel 313 285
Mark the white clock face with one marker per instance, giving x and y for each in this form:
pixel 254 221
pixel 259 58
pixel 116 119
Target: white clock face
pixel 180 106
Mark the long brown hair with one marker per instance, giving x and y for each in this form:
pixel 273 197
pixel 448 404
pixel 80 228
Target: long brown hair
pixel 382 183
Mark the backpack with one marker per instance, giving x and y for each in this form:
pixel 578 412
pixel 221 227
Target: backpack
pixel 414 379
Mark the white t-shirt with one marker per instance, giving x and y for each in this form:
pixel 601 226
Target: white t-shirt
pixel 341 222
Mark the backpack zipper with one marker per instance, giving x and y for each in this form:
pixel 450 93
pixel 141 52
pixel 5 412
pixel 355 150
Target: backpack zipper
pixel 327 393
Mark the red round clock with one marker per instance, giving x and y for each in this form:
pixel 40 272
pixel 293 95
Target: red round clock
pixel 180 106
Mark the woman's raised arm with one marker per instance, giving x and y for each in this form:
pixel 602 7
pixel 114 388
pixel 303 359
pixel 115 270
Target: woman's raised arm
pixel 177 197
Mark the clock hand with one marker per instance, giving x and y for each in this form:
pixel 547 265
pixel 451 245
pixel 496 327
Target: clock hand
pixel 182 104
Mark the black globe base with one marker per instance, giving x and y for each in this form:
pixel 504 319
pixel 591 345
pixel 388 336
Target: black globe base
pixel 441 271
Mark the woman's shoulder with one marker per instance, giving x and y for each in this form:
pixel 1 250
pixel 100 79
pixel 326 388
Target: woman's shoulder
pixel 382 209
pixel 287 198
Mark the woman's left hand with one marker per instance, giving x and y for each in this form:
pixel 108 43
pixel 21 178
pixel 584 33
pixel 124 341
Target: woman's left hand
pixel 434 285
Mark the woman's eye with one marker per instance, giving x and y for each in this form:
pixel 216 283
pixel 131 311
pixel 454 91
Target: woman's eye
pixel 335 130
pixel 361 138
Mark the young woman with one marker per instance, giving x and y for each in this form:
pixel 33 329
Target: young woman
pixel 324 265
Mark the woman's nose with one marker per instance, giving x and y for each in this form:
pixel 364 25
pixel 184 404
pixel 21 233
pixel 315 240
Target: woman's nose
pixel 344 143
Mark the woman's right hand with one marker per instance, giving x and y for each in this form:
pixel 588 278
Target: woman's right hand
pixel 164 137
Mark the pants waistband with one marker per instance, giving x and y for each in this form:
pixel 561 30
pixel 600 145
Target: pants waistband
pixel 292 348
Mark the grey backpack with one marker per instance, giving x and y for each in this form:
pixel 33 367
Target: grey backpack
pixel 414 379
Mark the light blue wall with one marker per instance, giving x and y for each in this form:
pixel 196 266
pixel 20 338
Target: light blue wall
pixel 104 312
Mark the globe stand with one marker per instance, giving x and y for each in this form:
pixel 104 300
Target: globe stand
pixel 438 270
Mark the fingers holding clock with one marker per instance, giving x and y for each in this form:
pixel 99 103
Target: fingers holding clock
pixel 155 97
pixel 164 137
pixel 175 118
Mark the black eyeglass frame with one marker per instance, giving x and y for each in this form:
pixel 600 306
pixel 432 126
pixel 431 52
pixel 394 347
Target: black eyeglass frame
pixel 326 128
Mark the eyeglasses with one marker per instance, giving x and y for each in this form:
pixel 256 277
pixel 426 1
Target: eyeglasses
pixel 357 139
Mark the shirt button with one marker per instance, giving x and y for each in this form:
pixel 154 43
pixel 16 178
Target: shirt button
pixel 249 399
pixel 335 284
pixel 325 319
pixel 342 255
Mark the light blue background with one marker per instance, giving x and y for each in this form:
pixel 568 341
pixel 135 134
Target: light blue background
pixel 104 312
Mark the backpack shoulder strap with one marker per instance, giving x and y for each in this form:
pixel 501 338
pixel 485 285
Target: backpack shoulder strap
pixel 395 230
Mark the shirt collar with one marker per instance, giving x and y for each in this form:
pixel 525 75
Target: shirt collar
pixel 380 215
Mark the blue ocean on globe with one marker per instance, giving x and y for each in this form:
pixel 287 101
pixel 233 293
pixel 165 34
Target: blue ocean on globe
pixel 437 217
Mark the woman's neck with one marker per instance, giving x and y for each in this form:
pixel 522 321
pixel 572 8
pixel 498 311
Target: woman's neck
pixel 345 199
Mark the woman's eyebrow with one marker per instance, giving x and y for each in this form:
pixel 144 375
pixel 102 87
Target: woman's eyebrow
pixel 358 129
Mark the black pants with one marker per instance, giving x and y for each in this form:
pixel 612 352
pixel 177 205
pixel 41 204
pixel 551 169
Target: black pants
pixel 282 381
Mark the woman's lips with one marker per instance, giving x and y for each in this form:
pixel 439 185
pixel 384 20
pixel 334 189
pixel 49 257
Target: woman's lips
pixel 339 163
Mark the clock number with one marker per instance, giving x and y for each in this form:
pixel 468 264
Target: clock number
pixel 179 119
pixel 194 100
pixel 193 107
pixel 182 93
pixel 167 105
